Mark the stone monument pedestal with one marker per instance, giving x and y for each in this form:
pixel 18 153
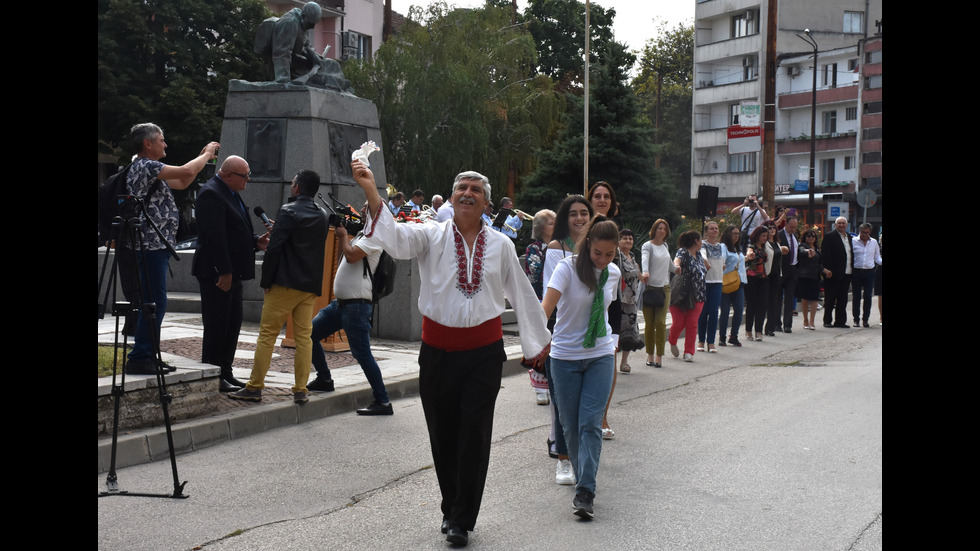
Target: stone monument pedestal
pixel 281 129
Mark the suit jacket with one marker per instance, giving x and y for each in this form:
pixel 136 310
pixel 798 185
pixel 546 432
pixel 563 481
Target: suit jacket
pixel 225 238
pixel 834 251
pixel 783 238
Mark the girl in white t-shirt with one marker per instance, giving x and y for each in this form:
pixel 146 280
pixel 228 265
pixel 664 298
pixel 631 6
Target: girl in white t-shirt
pixel 582 350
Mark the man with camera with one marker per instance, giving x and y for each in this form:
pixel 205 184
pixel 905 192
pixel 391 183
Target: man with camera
pixel 351 311
pixel 292 277
pixel 150 181
pixel 752 217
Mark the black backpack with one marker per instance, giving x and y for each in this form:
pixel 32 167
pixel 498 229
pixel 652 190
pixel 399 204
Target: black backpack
pixel 110 205
pixel 383 278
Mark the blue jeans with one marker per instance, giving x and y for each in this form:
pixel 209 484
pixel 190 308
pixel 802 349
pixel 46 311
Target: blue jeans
pixel 582 388
pixel 734 301
pixel 708 320
pixel 153 275
pixel 355 320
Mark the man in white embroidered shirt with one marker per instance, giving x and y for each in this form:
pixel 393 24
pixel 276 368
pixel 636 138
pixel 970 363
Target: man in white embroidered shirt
pixel 467 272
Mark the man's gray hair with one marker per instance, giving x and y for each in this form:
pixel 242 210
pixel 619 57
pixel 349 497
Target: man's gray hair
pixel 472 175
pixel 866 225
pixel 140 132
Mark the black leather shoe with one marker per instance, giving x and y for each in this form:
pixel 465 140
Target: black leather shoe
pixel 166 367
pixel 376 408
pixel 230 379
pixel 866 324
pixel 828 325
pixel 771 333
pixel 445 526
pixel 320 385
pixel 142 367
pixel 787 330
pixel 225 386
pixel 457 536
pixel 842 326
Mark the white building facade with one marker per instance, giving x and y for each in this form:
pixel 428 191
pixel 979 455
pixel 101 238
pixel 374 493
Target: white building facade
pixel 732 38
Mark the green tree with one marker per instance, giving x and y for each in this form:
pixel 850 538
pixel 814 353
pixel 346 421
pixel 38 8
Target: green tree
pixel 169 62
pixel 664 90
pixel 457 90
pixel 558 27
pixel 620 149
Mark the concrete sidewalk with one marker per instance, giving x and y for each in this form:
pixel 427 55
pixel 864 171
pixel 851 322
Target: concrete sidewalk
pixel 234 419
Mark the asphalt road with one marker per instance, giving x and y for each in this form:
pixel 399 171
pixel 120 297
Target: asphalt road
pixel 774 446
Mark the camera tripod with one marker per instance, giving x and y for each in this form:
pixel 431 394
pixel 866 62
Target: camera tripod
pixel 137 300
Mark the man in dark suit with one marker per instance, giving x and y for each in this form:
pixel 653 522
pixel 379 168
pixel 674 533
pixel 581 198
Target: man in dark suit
pixel 787 238
pixel 225 257
pixel 838 258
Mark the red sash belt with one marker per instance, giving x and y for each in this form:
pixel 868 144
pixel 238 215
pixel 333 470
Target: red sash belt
pixel 455 339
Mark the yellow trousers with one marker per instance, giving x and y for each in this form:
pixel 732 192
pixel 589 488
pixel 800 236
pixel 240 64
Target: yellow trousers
pixel 279 304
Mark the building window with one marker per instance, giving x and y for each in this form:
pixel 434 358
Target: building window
pixel 852 65
pixel 733 116
pixel 827 172
pixel 850 113
pixel 741 162
pixel 849 162
pixel 854 22
pixel 745 24
pixel 872 157
pixel 829 75
pixel 872 107
pixel 871 134
pixel 830 122
pixel 356 45
pixel 874 81
pixel 750 69
pixel 873 56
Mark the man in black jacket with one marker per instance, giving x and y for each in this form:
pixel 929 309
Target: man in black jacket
pixel 225 257
pixel 838 258
pixel 292 277
pixel 787 285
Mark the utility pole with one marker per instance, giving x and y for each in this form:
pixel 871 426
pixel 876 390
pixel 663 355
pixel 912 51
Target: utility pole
pixel 585 154
pixel 769 113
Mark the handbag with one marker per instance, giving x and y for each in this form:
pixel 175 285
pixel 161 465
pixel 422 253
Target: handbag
pixel 683 298
pixel 730 282
pixel 654 297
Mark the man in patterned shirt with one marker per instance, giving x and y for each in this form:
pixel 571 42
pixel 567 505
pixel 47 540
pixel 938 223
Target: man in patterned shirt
pixel 153 260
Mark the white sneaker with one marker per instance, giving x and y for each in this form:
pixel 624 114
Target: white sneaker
pixel 688 357
pixel 564 474
pixel 543 399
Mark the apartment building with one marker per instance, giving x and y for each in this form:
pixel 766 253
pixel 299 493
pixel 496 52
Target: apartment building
pixel 734 45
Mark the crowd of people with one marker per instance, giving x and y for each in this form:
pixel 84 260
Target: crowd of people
pixel 577 298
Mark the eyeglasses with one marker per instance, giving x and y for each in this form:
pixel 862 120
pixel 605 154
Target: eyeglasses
pixel 245 176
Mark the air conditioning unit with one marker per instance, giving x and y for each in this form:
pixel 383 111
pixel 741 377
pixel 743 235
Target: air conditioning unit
pixel 350 39
pixel 795 70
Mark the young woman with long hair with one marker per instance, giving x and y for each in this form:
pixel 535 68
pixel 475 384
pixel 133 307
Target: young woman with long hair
pixel 583 350
pixel 571 224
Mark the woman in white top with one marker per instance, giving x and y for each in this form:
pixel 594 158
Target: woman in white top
pixel 583 350
pixel 655 265
pixel 711 251
pixel 571 224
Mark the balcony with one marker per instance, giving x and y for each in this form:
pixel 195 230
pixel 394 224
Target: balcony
pixel 825 142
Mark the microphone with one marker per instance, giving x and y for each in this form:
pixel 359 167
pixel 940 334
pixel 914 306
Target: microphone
pixel 260 212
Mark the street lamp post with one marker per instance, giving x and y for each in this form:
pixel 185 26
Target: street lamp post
pixel 813 125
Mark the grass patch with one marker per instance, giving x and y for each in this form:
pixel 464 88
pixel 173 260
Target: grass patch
pixel 105 360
